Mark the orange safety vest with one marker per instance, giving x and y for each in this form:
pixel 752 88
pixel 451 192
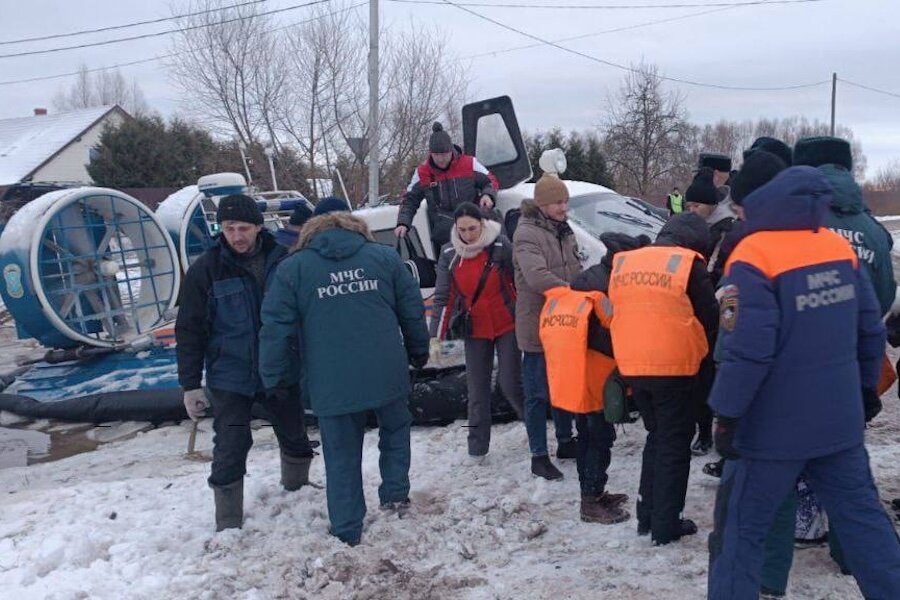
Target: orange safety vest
pixel 575 373
pixel 654 330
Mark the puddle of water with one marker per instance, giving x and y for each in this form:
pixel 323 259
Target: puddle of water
pixel 21 447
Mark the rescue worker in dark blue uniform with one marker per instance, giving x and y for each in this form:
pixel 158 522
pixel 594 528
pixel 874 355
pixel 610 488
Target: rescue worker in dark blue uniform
pixel 802 343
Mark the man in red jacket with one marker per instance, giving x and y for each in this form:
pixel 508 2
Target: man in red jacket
pixel 445 180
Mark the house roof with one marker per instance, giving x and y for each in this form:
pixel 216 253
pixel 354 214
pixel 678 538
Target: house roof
pixel 27 143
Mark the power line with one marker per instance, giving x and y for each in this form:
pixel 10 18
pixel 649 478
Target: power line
pixel 598 33
pixel 871 89
pixel 171 54
pixel 126 25
pixel 632 69
pixel 608 6
pixel 160 33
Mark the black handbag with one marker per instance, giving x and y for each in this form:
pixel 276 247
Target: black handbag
pixel 460 325
pixel 421 267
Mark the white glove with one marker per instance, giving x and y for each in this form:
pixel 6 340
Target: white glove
pixel 195 403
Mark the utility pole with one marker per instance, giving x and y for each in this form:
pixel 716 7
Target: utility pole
pixel 373 136
pixel 833 99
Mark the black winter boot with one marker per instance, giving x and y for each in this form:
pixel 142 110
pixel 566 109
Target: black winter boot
pixel 542 467
pixel 294 471
pixel 229 501
pixel 567 449
pixel 685 527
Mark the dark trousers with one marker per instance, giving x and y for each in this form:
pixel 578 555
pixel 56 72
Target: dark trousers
pixel 595 441
pixel 537 401
pixel 703 414
pixel 666 411
pixel 342 447
pixel 779 546
pixel 749 496
pixel 479 370
pixel 233 438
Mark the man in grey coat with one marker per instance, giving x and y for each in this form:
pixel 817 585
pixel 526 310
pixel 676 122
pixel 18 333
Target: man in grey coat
pixel 545 256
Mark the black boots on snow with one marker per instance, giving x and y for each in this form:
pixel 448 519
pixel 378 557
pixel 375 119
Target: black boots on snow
pixel 294 471
pixel 542 467
pixel 567 449
pixel 685 527
pixel 229 505
pixel 605 508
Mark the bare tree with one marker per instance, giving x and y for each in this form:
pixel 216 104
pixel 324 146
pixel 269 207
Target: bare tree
pixel 231 68
pixel 101 88
pixel 305 87
pixel 887 178
pixel 646 132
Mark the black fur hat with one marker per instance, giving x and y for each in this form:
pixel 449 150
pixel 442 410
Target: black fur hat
pixel 823 150
pixel 773 145
pixel 759 168
pixel 716 162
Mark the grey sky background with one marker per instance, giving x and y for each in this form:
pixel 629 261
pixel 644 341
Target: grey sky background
pixel 752 46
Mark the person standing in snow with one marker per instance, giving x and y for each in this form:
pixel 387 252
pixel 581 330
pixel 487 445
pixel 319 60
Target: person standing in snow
pixel 595 434
pixel 445 180
pixel 475 277
pixel 217 326
pixel 287 237
pixel 359 316
pixel 545 256
pixel 663 325
pixel 802 343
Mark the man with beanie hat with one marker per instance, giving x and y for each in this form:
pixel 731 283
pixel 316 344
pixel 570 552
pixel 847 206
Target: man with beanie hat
pixel 545 256
pixel 663 325
pixel 331 204
pixel 848 215
pixel 216 332
pixel 287 237
pixel 446 179
pixel 702 199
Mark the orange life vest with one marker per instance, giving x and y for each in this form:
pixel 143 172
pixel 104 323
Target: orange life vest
pixel 654 330
pixel 575 373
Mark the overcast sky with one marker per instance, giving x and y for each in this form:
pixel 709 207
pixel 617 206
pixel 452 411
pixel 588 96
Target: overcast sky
pixel 749 46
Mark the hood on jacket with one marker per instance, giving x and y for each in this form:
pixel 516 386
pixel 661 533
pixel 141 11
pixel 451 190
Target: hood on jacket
pixel 848 197
pixel 490 231
pixel 796 199
pixel 335 235
pixel 621 242
pixel 686 230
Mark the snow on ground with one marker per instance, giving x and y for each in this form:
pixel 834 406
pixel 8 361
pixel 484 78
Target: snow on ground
pixel 134 519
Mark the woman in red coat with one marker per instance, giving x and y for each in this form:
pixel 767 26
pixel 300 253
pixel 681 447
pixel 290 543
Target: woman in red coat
pixel 474 276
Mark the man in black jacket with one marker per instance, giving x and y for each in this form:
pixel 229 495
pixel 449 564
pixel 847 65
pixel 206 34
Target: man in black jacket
pixel 218 325
pixel 445 180
pixel 664 322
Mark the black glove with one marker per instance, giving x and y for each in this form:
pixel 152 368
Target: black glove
pixel 871 404
pixel 417 361
pixel 723 437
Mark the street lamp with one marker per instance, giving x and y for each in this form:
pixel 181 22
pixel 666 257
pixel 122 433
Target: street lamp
pixel 242 147
pixel 270 153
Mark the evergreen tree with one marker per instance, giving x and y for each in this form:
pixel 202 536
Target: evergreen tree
pixel 146 152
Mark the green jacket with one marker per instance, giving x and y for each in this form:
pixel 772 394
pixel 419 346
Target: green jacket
pixel 358 314
pixel 850 218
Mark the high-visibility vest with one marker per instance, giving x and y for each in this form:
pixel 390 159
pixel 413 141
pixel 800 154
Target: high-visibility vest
pixel 575 373
pixel 676 201
pixel 654 329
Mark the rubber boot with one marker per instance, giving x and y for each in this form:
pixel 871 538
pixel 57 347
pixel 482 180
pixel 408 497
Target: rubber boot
pixel 542 467
pixel 294 471
pixel 229 505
